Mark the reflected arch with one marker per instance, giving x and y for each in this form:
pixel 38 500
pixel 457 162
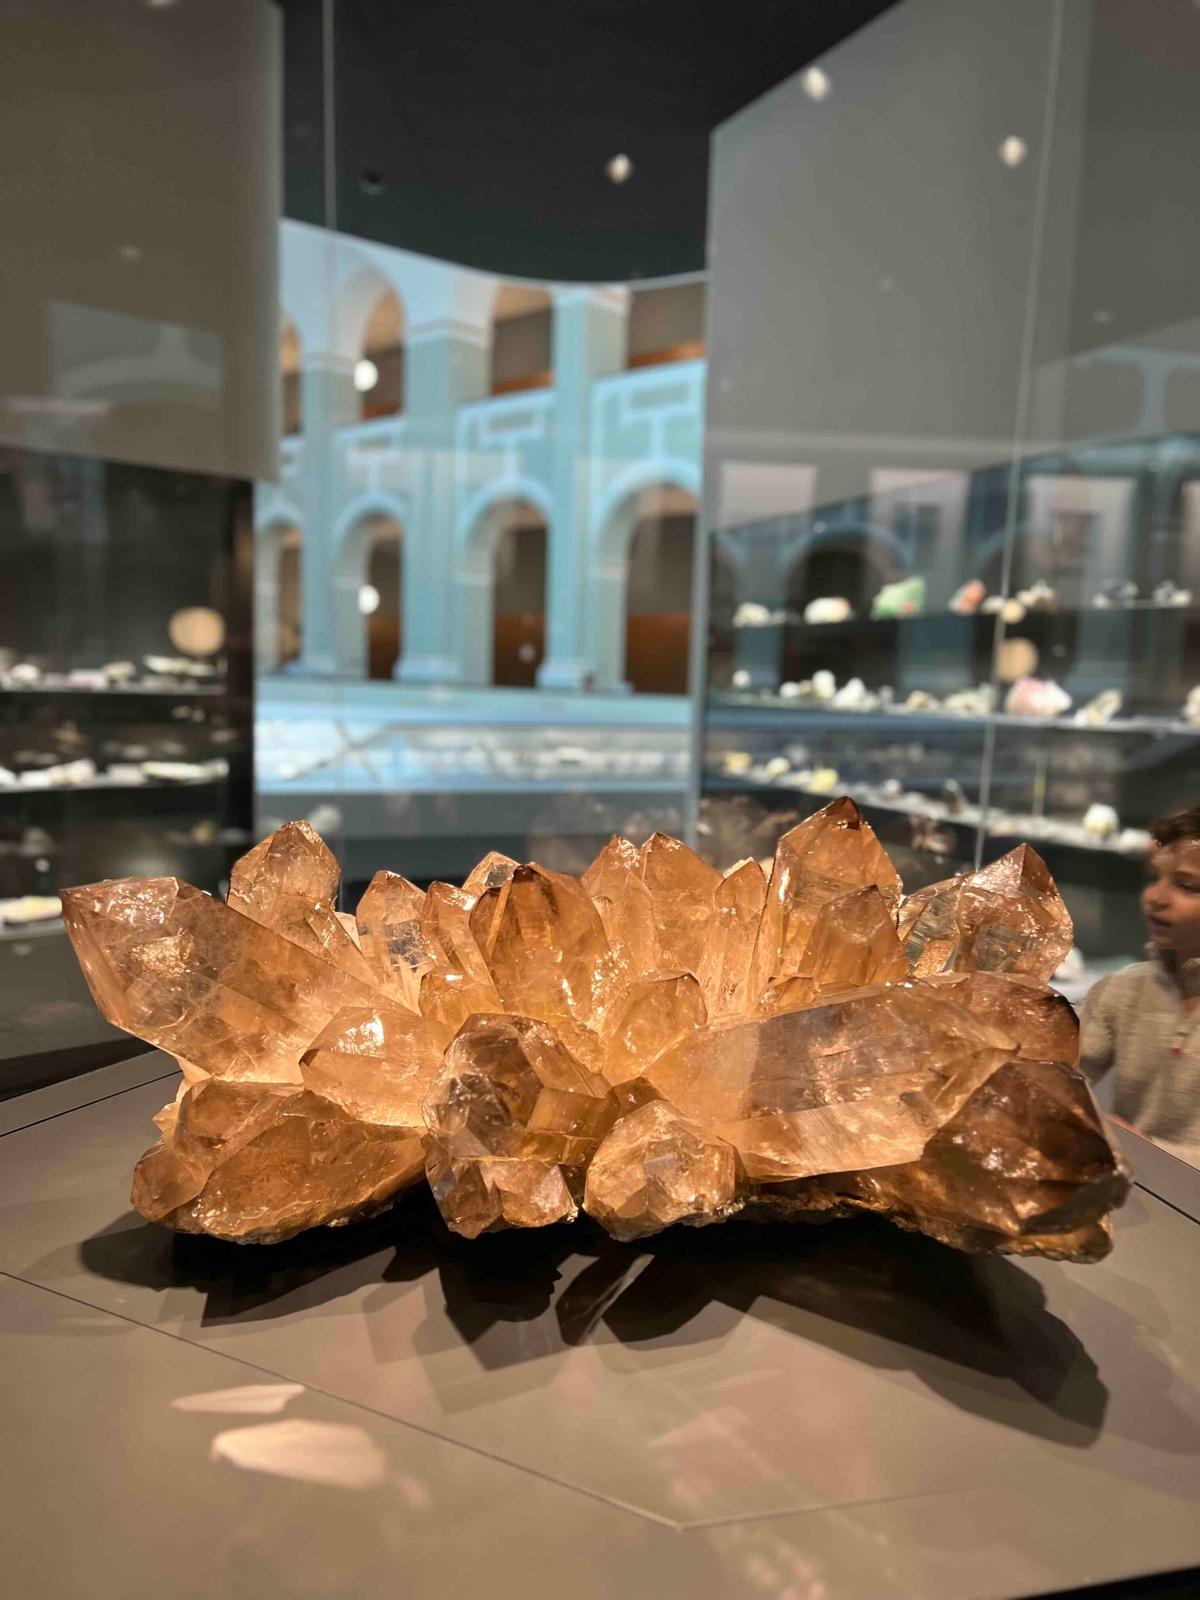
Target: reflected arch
pixel 851 560
pixel 382 353
pixel 502 580
pixel 369 545
pixel 278 591
pixel 641 585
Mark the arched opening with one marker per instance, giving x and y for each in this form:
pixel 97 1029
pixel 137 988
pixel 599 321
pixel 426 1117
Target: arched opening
pixel 290 354
pixel 519 596
pixel 658 593
pixel 379 375
pixel 848 563
pixel 522 339
pixel 380 599
pixel 278 614
pixel 666 323
pixel 290 629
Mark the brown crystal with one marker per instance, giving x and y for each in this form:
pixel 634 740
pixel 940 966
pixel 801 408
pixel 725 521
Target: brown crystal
pixel 681 888
pixel 853 944
pixel 724 969
pixel 662 1042
pixel 829 855
pixel 653 1011
pixel 656 1168
pixel 478 1196
pixel 197 978
pixel 375 1062
pixel 549 948
pixel 290 1161
pixel 624 904
pixel 389 931
pixel 864 1081
pixel 289 883
pixel 509 1107
pixel 1007 918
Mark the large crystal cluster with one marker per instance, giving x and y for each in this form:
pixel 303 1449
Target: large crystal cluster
pixel 653 1042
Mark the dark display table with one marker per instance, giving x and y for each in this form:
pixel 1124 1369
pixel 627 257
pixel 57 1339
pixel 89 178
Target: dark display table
pixel 387 1410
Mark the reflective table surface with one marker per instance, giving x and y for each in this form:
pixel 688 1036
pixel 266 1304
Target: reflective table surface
pixel 386 1409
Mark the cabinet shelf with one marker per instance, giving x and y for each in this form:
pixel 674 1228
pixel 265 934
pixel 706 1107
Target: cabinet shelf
pixel 1039 832
pixel 776 712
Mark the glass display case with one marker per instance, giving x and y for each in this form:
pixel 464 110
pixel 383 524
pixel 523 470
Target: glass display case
pixel 125 725
pixel 965 715
pixel 953 452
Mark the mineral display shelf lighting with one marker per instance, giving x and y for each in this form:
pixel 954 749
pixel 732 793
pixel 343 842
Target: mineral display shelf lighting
pixel 654 1042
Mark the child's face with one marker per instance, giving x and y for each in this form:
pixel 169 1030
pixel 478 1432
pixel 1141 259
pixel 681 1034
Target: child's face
pixel 1171 898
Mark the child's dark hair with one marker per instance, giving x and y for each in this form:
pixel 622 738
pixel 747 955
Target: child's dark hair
pixel 1179 825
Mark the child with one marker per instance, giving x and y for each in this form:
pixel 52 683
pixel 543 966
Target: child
pixel 1142 1024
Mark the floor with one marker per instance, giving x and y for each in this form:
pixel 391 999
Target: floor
pixel 386 1409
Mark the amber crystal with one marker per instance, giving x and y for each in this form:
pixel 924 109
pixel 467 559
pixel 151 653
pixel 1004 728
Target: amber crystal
pixel 656 1168
pixel 389 931
pixel 656 1041
pixel 289 882
pixel 1007 918
pixel 829 855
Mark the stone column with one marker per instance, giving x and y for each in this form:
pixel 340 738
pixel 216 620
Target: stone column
pixel 446 366
pixel 608 584
pixel 329 402
pixel 589 341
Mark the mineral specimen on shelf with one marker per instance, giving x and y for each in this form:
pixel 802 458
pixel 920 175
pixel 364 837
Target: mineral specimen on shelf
pixel 653 1042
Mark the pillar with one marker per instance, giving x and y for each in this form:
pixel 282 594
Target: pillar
pixel 329 402
pixel 447 364
pixel 589 341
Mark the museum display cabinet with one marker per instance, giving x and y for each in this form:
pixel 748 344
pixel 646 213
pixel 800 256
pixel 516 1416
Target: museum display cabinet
pixel 963 715
pixel 952 467
pixel 125 696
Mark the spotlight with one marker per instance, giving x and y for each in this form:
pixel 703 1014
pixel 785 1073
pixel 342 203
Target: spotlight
pixel 368 599
pixel 366 375
pixel 619 169
pixel 1013 151
pixel 815 83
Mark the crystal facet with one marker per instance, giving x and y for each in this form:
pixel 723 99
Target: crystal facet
pixel 656 1168
pixel 653 1041
pixel 1007 918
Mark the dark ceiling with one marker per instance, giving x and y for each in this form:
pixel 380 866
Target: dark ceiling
pixel 479 130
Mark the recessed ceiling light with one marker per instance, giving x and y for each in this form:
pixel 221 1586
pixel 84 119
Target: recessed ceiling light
pixel 372 182
pixel 619 169
pixel 815 83
pixel 1013 151
pixel 130 252
pixel 366 375
pixel 1102 316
